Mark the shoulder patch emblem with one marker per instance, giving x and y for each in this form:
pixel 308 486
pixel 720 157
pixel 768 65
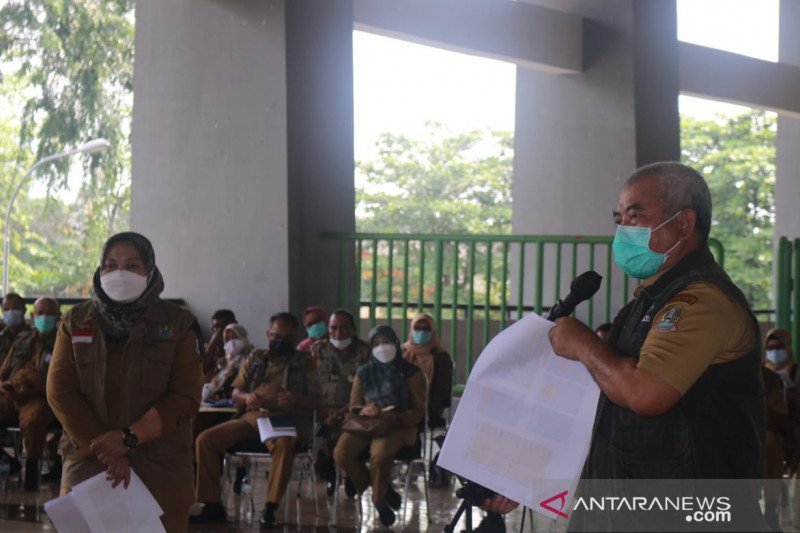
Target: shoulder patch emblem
pixel 683 297
pixel 669 321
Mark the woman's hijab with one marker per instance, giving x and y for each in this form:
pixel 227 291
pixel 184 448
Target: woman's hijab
pixel 384 383
pixel 120 318
pixel 422 355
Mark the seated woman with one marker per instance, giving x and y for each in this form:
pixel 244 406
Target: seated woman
pixel 423 349
pixel 237 348
pixel 315 321
pixel 386 381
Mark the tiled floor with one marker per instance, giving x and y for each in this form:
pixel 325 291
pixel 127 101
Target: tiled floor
pixel 21 511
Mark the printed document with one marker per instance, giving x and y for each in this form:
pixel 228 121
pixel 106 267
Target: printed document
pixel 93 507
pixel 272 427
pixel 524 423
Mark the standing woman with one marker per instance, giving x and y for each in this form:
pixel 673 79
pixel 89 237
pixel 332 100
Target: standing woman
pixel 125 381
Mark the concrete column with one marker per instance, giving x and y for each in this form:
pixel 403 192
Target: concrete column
pixel 209 153
pixel 787 184
pixel 319 78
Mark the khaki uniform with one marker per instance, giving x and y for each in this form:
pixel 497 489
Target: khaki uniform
pixel 30 373
pixel 381 449
pixel 698 327
pixel 295 374
pixel 95 386
pixel 7 338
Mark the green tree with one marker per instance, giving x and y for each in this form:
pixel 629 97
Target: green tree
pixel 451 183
pixel 736 154
pixel 67 66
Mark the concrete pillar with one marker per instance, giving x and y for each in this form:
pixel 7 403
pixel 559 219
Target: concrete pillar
pixel 787 184
pixel 209 153
pixel 319 63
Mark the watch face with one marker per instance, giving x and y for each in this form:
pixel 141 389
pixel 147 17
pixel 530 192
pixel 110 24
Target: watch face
pixel 130 440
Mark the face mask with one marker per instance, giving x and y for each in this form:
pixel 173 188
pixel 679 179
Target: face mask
pixel 13 317
pixel 385 353
pixel 317 331
pixel 280 347
pixel 632 251
pixel 44 324
pixel 234 346
pixel 341 344
pixel 421 338
pixel 777 357
pixel 123 286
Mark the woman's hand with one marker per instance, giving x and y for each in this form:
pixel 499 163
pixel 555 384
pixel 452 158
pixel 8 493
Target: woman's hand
pixel 119 471
pixel 109 446
pixel 499 504
pixel 370 410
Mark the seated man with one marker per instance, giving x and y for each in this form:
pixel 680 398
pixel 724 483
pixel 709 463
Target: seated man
pixel 338 356
pixel 22 385
pixel 278 380
pixel 14 319
pixel 315 321
pixel 214 349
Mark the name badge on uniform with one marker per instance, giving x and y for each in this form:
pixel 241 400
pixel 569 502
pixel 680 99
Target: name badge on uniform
pixel 165 332
pixel 81 337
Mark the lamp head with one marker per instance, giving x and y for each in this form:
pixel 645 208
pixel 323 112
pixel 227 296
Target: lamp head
pixel 94 146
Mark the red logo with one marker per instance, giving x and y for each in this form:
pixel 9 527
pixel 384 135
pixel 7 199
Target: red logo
pixel 562 496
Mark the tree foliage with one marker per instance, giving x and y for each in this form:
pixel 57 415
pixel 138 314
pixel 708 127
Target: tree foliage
pixel 67 72
pixel 736 155
pixel 456 183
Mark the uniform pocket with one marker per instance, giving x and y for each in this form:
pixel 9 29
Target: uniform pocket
pixel 85 364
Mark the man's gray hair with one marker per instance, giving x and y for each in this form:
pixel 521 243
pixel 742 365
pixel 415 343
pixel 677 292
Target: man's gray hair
pixel 679 187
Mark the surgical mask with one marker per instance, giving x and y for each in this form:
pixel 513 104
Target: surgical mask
pixel 777 357
pixel 13 317
pixel 632 251
pixel 317 331
pixel 385 353
pixel 421 338
pixel 123 286
pixel 44 324
pixel 235 346
pixel 341 344
pixel 280 347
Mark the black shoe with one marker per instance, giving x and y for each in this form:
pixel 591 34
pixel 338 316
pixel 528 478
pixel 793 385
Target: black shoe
pixel 32 475
pixel 393 499
pixel 237 480
pixel 268 516
pixel 491 523
pixel 212 513
pixel 385 513
pixel 349 488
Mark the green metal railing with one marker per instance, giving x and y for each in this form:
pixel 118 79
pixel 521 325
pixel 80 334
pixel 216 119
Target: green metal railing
pixel 475 285
pixel 787 295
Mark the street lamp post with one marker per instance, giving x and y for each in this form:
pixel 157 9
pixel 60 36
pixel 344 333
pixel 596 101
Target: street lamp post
pixel 89 147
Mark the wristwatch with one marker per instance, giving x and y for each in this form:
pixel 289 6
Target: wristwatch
pixel 129 438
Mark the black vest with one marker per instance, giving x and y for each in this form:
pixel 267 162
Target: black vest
pixel 716 431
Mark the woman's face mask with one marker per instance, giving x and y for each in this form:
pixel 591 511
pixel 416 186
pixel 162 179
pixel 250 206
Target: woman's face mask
pixel 123 286
pixel 421 338
pixel 777 357
pixel 317 331
pixel 235 346
pixel 385 353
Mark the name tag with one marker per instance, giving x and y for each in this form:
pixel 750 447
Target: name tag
pixel 81 337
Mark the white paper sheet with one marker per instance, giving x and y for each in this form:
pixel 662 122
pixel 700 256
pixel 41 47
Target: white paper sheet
pixel 95 507
pixel 524 423
pixel 267 432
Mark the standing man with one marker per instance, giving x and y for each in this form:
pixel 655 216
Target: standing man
pixel 23 376
pixel 681 388
pixel 279 380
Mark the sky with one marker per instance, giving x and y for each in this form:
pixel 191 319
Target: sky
pixel 398 85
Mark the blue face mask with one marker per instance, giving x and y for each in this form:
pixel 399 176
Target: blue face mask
pixel 632 251
pixel 421 338
pixel 317 331
pixel 44 324
pixel 13 317
pixel 777 357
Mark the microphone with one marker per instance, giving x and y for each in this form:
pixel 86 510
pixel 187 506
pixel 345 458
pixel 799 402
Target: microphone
pixel 582 288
